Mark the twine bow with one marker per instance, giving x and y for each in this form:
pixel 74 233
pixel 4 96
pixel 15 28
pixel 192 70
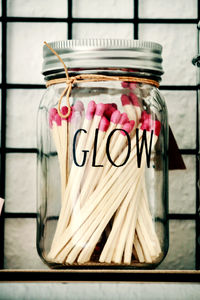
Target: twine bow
pixel 86 78
pixel 67 90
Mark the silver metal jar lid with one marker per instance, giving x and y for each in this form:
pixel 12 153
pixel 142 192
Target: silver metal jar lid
pixel 103 53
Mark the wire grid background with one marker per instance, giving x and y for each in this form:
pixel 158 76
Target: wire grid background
pixel 24 27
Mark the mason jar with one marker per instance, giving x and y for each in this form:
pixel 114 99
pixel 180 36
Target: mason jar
pixel 102 156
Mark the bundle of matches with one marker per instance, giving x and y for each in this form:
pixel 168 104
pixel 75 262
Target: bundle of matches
pixel 98 193
pixel 133 223
pixel 146 243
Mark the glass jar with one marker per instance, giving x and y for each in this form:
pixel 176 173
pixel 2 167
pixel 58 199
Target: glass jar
pixel 103 170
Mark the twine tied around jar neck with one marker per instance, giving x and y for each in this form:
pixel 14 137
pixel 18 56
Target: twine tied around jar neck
pixel 70 80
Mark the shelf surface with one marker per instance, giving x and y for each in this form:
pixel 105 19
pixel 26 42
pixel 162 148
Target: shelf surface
pixel 72 275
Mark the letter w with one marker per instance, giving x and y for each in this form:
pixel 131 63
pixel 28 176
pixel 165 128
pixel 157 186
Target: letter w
pixel 139 151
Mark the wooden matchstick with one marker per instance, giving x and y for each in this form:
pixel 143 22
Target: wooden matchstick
pixel 144 245
pixel 59 133
pixel 135 102
pixel 138 249
pixel 76 118
pixel 64 150
pixel 128 107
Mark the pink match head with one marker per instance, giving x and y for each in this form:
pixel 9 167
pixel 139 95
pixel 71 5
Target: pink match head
pixel 90 110
pixel 125 100
pixel 109 110
pixel 58 120
pixel 123 119
pixel 78 106
pixel 144 116
pixel 124 84
pixel 132 85
pixel 127 127
pixel 150 124
pixel 134 99
pixel 115 117
pixel 71 114
pixel 146 124
pixel 100 108
pixel 64 111
pixel 157 127
pixel 114 105
pixel 53 111
pixel 104 124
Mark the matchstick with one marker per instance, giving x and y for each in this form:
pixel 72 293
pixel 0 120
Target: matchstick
pixel 76 118
pixel 138 249
pixel 64 150
pixel 133 96
pixel 75 123
pixel 144 245
pixel 59 132
pixel 135 101
pixel 132 107
pixel 145 232
pixel 128 107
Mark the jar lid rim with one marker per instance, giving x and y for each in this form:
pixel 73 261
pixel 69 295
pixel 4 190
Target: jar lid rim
pixel 104 44
pixel 108 53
